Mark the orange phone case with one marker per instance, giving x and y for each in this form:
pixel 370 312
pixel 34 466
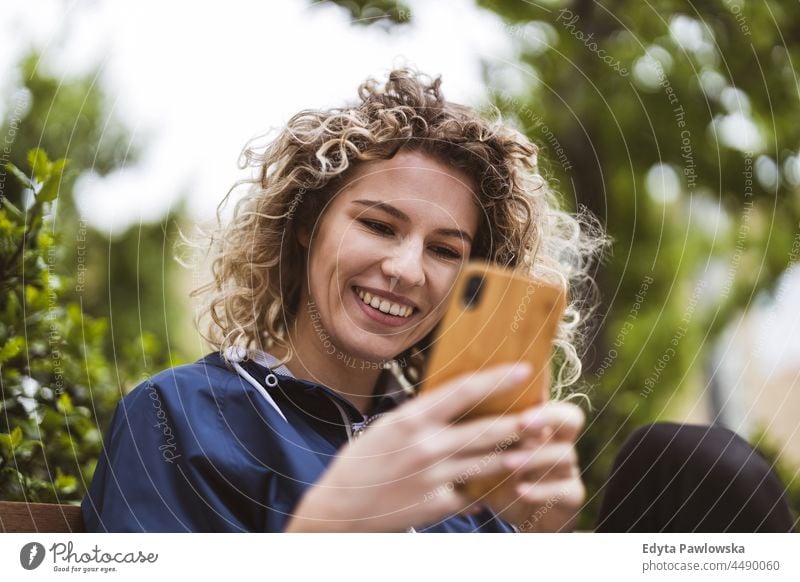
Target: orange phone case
pixel 511 318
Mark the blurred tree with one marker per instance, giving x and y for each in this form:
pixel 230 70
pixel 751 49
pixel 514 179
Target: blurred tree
pixel 71 117
pixel 675 124
pixel 82 317
pixel 130 279
pixel 55 382
pixel 384 13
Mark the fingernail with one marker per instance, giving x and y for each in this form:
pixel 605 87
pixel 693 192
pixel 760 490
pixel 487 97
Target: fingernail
pixel 520 371
pixel 534 421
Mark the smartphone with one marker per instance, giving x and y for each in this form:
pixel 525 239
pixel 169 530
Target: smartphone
pixel 496 316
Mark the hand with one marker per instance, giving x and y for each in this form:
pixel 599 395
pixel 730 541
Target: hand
pixel 544 492
pixel 402 471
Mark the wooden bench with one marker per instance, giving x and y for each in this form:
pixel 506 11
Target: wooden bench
pixel 20 517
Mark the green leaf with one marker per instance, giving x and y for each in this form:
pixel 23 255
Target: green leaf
pixel 39 163
pixel 49 191
pixel 64 404
pixel 52 183
pixel 16 437
pixel 5 444
pixel 28 445
pixel 31 295
pixel 65 483
pixel 58 166
pixel 11 348
pixel 9 442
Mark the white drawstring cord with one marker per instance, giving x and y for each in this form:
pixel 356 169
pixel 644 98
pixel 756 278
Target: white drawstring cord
pixel 236 354
pixel 345 420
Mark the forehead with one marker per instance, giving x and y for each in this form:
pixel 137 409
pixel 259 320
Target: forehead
pixel 415 181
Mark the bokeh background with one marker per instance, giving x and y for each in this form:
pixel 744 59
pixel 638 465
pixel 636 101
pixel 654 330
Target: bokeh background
pixel 675 123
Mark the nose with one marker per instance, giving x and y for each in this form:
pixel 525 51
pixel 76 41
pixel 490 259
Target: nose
pixel 404 265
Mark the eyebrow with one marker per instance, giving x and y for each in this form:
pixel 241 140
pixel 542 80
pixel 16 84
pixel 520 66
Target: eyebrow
pixel 400 215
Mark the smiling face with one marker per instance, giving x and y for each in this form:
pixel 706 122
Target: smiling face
pixel 395 237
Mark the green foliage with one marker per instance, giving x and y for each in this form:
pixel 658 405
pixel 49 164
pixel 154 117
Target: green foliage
pixel 65 360
pixel 711 249
pixel 47 113
pixel 611 90
pixel 53 374
pixel 113 276
pixel 385 13
pixel 58 386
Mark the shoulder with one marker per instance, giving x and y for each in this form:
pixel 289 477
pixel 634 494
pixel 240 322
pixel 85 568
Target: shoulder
pixel 202 410
pixel 191 394
pixel 204 394
pixel 207 376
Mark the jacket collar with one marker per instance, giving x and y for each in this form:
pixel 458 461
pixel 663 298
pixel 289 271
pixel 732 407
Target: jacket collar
pixel 313 399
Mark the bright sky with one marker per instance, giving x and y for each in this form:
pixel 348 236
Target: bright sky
pixel 194 82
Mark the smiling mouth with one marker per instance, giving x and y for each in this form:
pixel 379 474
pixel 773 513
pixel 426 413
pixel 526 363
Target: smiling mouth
pixel 385 305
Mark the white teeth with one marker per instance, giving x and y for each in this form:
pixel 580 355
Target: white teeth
pixel 384 305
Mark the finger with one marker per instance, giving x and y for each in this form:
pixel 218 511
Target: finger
pixel 460 485
pixel 567 493
pixel 565 499
pixel 483 435
pixel 550 461
pixel 561 421
pixel 456 472
pixel 462 393
pixel 432 445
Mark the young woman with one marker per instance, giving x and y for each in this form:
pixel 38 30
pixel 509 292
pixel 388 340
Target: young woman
pixel 327 287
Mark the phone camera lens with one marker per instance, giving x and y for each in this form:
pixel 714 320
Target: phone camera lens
pixel 472 291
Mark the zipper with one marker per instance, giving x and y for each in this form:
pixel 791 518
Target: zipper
pixel 358 428
pixel 355 429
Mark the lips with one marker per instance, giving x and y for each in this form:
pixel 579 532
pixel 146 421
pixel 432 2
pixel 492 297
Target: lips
pixel 384 303
pixel 383 313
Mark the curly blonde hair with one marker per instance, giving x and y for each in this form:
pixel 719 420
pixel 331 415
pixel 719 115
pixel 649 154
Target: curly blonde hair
pixel 254 293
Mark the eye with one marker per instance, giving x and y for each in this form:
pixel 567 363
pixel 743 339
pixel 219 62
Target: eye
pixel 377 227
pixel 446 253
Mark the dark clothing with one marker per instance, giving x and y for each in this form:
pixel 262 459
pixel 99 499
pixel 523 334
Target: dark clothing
pixel 687 478
pixel 203 448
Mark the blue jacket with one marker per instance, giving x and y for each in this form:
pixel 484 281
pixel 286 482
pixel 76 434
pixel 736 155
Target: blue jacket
pixel 202 447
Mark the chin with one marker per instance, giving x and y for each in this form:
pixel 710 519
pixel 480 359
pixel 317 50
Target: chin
pixel 369 353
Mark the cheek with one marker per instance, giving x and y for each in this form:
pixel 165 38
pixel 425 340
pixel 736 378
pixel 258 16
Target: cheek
pixel 339 261
pixel 439 295
pixel 328 249
pixel 355 251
